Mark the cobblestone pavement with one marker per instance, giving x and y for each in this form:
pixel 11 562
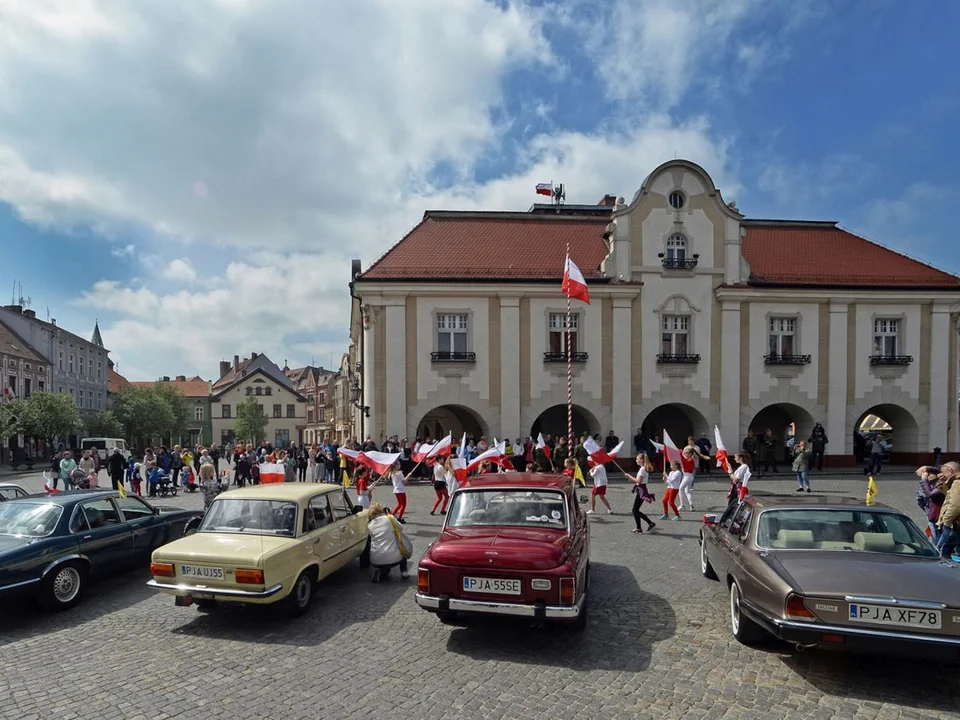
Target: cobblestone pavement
pixel 658 645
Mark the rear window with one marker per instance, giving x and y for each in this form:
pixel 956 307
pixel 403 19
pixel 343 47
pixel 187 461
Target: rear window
pixel 255 517
pixel 842 531
pixel 26 519
pixel 515 508
pixel 90 443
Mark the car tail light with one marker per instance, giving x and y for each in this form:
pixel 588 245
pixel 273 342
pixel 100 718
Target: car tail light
pixel 835 639
pixel 423 580
pixel 568 590
pixel 796 608
pixel 158 569
pixel 249 577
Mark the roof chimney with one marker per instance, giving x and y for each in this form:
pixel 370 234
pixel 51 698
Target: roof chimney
pixel 354 268
pixel 53 321
pixel 166 378
pixel 224 367
pixel 236 363
pixel 608 201
pixel 30 313
pixel 14 308
pixel 253 356
pixel 181 378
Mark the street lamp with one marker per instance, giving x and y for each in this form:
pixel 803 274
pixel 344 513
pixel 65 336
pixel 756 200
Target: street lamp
pixel 356 398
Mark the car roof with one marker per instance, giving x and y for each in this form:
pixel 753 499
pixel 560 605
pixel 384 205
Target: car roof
pixel 10 485
pixel 764 501
pixel 520 480
pixel 279 491
pixel 69 496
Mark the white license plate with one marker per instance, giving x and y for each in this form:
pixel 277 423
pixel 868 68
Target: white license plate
pixel 491 586
pixel 199 571
pixel 901 617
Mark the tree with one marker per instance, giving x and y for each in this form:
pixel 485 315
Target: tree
pixel 105 424
pixel 151 412
pixel 48 415
pixel 251 421
pixel 179 409
pixel 11 412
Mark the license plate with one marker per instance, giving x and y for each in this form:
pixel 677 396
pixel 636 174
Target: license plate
pixel 901 617
pixel 199 571
pixel 491 586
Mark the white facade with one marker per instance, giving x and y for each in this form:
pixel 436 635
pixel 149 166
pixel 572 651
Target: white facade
pixel 715 368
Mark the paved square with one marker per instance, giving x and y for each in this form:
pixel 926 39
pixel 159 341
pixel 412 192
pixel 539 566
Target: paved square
pixel 658 645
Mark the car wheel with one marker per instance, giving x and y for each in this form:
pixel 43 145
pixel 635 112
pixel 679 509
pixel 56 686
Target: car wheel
pixel 705 567
pixel 580 624
pixel 63 587
pixel 745 630
pixel 365 556
pixel 447 618
pixel 298 601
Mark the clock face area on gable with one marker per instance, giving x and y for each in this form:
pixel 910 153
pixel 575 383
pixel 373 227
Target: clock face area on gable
pixel 679 222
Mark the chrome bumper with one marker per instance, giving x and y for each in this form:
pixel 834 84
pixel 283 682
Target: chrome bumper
pixel 203 590
pixel 791 625
pixel 551 612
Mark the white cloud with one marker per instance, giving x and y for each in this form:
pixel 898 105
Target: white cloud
pixel 180 270
pixel 123 251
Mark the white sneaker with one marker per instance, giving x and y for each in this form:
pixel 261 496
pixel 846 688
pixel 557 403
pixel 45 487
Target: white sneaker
pixel 589 512
pixel 679 507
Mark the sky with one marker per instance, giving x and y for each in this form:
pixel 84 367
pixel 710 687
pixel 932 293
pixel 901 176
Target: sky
pixel 197 176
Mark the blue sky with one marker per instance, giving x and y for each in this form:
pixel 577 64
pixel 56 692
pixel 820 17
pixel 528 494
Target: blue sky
pixel 199 180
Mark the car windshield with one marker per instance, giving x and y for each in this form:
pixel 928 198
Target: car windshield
pixel 873 531
pixel 519 508
pixel 256 517
pixel 33 520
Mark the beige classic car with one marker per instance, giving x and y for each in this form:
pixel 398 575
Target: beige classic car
pixel 262 545
pixel 832 573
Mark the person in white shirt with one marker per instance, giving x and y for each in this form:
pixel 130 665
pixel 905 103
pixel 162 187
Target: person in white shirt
pixel 389 546
pixel 451 476
pixel 740 478
pixel 673 480
pixel 440 487
pixel 399 492
pixel 641 494
pixel 599 474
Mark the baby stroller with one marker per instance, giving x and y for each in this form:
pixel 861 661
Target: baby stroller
pixel 166 486
pixel 80 480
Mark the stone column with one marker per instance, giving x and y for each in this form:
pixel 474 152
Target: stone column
pixel 395 356
pixel 371 315
pixel 941 335
pixel 837 383
pixel 509 367
pixel 730 349
pixel 622 381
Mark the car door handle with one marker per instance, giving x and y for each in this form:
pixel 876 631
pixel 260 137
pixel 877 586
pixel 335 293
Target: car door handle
pixel 87 537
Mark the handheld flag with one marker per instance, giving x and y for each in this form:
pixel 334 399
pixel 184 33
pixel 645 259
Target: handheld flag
pixel 378 462
pixel 670 449
pixel 578 474
pixel 542 445
pixel 272 473
pixel 574 286
pixel 48 487
pixel 121 490
pixel 598 454
pixel 722 460
pixel 462 450
pixel 871 491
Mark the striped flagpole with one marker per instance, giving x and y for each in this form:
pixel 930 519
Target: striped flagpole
pixel 569 374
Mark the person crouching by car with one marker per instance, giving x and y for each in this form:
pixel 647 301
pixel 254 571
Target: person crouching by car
pixel 209 485
pixel 389 547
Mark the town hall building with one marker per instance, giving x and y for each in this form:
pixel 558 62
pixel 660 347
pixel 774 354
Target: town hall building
pixel 698 316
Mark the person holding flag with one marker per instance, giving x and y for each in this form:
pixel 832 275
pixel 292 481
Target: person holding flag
pixel 440 487
pixel 542 454
pixel 599 474
pixel 640 493
pixel 739 478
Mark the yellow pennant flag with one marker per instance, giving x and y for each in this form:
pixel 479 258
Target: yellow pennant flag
pixel 871 491
pixel 346 478
pixel 121 489
pixel 578 474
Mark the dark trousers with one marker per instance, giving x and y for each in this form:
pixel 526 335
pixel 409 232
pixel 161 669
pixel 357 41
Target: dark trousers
pixel 638 516
pixel 116 480
pixel 302 473
pixel 817 457
pixel 876 462
pixel 175 473
pixel 381 572
pixel 769 460
pixel 948 541
pixel 705 466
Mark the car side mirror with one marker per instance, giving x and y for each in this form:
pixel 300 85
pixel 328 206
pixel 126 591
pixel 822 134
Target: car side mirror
pixel 710 519
pixel 357 509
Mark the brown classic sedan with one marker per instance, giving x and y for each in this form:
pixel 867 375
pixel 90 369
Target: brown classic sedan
pixel 834 573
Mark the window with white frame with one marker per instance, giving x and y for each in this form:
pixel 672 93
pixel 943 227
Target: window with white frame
pixel 81 364
pixel 675 339
pixel 677 247
pixel 561 333
pixel 198 413
pixel 71 362
pixel 452 333
pixel 783 336
pixel 886 337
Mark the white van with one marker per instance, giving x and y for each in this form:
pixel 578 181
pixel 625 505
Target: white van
pixel 105 446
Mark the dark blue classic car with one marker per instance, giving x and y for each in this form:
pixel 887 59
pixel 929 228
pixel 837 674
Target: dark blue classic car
pixel 51 546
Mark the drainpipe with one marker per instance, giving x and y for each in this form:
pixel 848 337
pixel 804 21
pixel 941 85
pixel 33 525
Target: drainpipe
pixel 354 271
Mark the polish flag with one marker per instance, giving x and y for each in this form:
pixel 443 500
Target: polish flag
pixel 722 460
pixel 378 462
pixel 545 189
pixel 670 449
pixel 494 454
pixel 459 465
pixel 503 460
pixel 48 487
pixel 574 286
pixel 462 450
pixel 542 445
pixel 441 448
pixel 598 454
pixel 272 473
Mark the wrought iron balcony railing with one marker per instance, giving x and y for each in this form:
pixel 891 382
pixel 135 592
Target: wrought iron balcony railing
pixel 463 357
pixel 677 359
pixel 670 263
pixel 561 357
pixel 774 359
pixel 891 359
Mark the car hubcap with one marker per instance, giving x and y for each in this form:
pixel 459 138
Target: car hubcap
pixel 66 585
pixel 303 592
pixel 735 608
pixel 703 557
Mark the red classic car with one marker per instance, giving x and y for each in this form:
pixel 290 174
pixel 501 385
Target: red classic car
pixel 512 544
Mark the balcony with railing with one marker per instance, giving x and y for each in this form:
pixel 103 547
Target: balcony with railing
pixel 777 359
pixel 679 263
pixel 888 360
pixel 678 359
pixel 454 357
pixel 561 357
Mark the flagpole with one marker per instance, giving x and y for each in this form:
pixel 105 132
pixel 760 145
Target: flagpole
pixel 569 373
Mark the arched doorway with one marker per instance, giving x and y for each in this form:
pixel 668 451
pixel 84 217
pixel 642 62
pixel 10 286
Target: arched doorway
pixel 553 421
pixel 679 420
pixel 896 428
pixel 788 423
pixel 455 419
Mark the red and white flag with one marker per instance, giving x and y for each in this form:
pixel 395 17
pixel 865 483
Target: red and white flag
pixel 574 286
pixel 378 462
pixel 48 487
pixel 670 449
pixel 459 466
pixel 598 454
pixel 503 460
pixel 272 473
pixel 542 445
pixel 430 453
pixel 493 455
pixel 545 189
pixel 462 450
pixel 722 459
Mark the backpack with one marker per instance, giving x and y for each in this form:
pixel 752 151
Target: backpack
pixel 923 500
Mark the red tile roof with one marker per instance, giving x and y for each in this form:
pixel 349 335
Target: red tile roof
pixel 187 388
pixel 822 254
pixel 115 381
pixel 493 245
